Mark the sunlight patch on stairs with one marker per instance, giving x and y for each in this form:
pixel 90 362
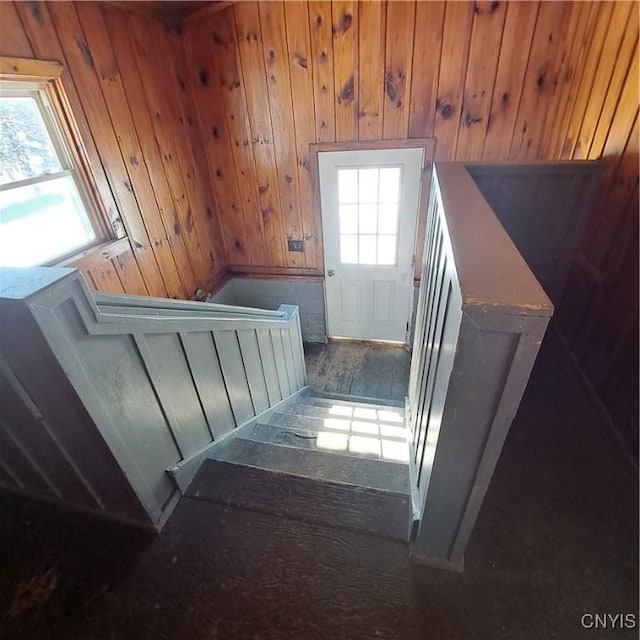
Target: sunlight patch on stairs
pixel 366 431
pixel 342 463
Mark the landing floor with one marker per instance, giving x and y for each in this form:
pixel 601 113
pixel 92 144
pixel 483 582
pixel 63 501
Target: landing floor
pixel 368 369
pixel 557 538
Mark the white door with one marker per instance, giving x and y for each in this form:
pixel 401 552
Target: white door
pixel 369 217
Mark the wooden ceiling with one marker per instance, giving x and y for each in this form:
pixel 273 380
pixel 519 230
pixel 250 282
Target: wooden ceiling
pixel 171 12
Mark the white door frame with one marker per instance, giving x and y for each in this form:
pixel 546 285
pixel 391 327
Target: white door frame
pixel 397 328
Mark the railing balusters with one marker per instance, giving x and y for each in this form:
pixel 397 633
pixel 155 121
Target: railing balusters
pixel 477 300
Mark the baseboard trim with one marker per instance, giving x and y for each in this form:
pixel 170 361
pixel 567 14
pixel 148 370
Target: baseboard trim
pixel 441 564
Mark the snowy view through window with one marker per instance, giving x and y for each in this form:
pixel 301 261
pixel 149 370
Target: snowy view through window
pixel 42 216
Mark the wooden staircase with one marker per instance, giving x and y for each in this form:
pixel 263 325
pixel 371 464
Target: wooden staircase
pixel 338 462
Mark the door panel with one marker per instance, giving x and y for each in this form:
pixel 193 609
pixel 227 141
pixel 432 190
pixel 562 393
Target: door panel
pixel 369 213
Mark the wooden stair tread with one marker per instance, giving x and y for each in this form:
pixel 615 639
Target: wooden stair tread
pixel 348 399
pixel 357 445
pixel 303 498
pixel 343 412
pixel 327 403
pixel 334 423
pixel 361 472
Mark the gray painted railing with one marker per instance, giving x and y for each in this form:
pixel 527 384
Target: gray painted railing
pixel 149 384
pixel 480 320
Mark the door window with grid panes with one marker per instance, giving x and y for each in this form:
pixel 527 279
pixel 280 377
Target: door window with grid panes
pixel 368 201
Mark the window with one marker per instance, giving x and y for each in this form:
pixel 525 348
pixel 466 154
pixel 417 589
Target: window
pixel 44 203
pixel 368 201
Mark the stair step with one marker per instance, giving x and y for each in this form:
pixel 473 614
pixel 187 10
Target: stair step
pixel 338 423
pixel 350 444
pixel 348 399
pixel 344 412
pixel 303 498
pixel 362 472
pixel 383 413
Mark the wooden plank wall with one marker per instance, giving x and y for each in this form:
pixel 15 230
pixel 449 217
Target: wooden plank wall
pixel 486 79
pixel 129 96
pixel 234 100
pixel 598 314
pixel 491 81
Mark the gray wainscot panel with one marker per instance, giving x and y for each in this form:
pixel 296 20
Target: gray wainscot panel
pixel 104 394
pixel 270 294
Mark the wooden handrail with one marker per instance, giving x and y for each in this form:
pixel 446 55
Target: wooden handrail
pixel 490 269
pixel 110 300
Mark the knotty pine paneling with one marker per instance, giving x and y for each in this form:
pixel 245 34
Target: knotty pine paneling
pixel 489 80
pixel 199 139
pixel 123 84
pixel 494 81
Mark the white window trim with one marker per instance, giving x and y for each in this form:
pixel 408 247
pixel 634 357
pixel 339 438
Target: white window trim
pixel 44 79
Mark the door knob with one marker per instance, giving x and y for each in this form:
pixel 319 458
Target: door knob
pixel 331 273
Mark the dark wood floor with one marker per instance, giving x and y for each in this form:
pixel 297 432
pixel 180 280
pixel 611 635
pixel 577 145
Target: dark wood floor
pixel 366 369
pixel 557 537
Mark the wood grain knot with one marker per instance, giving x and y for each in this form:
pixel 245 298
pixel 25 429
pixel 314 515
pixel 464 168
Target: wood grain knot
pixel 203 76
pixel 347 93
pixel 478 10
pixel 86 53
pixel 390 90
pixel 37 14
pixel 446 111
pixel 345 22
pixel 470 119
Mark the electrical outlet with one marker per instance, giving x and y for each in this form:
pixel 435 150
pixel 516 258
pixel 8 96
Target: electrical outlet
pixel 295 245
